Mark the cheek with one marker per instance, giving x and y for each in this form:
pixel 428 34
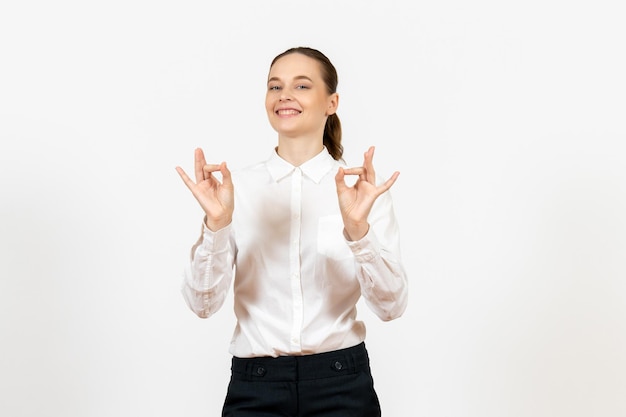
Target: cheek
pixel 269 104
pixel 323 102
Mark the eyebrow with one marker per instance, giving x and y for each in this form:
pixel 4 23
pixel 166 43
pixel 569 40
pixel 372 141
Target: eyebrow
pixel 299 77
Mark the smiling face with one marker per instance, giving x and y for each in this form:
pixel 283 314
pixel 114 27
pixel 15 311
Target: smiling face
pixel 297 100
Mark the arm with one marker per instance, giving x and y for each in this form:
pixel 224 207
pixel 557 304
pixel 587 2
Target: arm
pixel 378 263
pixel 210 270
pixel 371 231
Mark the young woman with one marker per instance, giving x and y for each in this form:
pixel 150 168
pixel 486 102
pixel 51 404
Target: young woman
pixel 300 247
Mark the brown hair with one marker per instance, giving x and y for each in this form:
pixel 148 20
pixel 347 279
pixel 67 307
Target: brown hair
pixel 332 130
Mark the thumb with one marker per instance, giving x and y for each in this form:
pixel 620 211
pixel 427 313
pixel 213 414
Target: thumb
pixel 226 176
pixel 340 179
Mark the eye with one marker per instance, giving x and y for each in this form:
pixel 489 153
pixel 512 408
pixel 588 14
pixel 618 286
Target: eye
pixel 302 87
pixel 273 88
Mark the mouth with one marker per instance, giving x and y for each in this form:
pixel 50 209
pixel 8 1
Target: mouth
pixel 287 112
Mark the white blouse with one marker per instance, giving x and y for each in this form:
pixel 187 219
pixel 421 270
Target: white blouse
pixel 297 278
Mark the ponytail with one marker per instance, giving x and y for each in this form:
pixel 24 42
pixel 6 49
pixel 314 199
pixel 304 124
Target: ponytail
pixel 332 137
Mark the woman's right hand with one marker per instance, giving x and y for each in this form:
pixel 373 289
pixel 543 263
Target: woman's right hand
pixel 216 198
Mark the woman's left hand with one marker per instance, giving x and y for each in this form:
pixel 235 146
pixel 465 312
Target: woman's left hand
pixel 355 202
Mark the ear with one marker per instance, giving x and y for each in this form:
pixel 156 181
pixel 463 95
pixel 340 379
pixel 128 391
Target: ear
pixel 333 103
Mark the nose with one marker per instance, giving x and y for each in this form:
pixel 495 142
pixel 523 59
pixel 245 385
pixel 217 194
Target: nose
pixel 284 96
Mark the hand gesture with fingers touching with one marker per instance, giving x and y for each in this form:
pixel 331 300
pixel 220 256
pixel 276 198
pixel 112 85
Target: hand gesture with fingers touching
pixel 216 198
pixel 356 202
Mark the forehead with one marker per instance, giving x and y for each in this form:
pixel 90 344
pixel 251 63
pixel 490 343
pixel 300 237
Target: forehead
pixel 294 65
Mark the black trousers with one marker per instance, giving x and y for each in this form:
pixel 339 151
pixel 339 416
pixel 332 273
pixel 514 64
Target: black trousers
pixel 332 384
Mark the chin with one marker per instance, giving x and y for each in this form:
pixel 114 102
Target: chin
pixel 282 129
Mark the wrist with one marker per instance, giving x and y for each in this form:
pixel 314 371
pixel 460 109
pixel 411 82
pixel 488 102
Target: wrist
pixel 216 224
pixel 356 232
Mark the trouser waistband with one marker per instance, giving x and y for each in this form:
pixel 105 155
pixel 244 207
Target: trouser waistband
pixel 299 368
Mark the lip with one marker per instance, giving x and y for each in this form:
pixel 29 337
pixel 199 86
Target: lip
pixel 287 112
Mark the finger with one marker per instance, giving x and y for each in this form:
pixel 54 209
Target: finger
pixel 188 181
pixel 369 165
pixel 387 184
pixel 207 169
pixel 354 171
pixel 199 163
pixel 226 176
pixel 340 179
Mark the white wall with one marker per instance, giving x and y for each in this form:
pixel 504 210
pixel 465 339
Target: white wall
pixel 505 120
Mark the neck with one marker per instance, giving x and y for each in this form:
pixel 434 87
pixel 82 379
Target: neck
pixel 297 151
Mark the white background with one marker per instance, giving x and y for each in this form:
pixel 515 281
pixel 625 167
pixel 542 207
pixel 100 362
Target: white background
pixel 505 119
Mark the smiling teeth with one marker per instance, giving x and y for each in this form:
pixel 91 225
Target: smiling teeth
pixel 288 112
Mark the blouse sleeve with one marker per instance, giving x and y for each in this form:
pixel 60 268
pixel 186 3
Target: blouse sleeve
pixel 378 261
pixel 209 273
